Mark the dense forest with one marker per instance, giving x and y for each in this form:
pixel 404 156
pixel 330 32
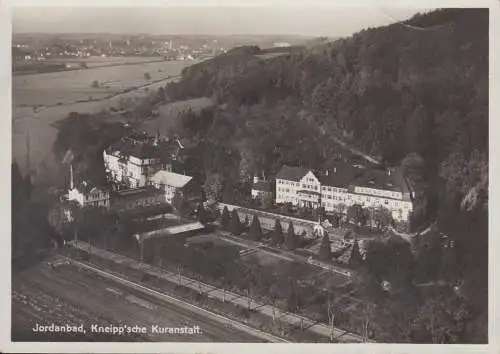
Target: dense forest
pixel 414 94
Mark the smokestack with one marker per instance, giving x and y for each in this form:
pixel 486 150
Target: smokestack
pixel 71 183
pixel 28 153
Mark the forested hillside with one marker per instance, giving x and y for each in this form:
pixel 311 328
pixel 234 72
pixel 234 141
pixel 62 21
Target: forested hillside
pixel 414 94
pixel 421 87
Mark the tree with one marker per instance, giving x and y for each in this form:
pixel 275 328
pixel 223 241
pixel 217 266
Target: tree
pixel 277 237
pixel 382 217
pixel 180 203
pixel 225 219
pixel 291 238
pixel 441 320
pixel 95 84
pixel 147 76
pixel 213 186
pixel 235 224
pixel 293 300
pixel 355 259
pixel 201 213
pixel 246 223
pixel 60 217
pixel 325 250
pixel 356 214
pixel 255 229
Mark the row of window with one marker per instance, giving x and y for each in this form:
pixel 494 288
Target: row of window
pixel 310 186
pixel 362 200
pixel 332 189
pixel 379 192
pixel 98 203
pixel 289 183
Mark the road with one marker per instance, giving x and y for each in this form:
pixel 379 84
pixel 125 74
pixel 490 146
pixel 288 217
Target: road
pixel 75 295
pixel 211 291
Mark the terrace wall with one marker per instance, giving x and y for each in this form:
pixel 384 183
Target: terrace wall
pixel 267 220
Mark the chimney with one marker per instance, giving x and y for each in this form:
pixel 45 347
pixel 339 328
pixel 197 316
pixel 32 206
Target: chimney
pixel 71 183
pixel 326 173
pixel 255 179
pixel 388 171
pixel 335 170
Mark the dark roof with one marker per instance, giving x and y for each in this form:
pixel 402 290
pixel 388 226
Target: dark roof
pixel 339 174
pixel 139 150
pixel 137 193
pixel 390 180
pixel 147 211
pixel 85 187
pixel 292 173
pixel 142 146
pixel 264 186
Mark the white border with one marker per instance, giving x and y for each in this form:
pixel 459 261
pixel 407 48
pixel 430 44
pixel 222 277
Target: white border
pixel 5 156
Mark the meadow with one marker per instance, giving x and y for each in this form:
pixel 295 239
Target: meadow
pixel 96 61
pixel 66 87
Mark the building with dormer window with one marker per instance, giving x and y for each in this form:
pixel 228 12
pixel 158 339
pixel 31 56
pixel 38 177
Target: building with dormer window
pixel 344 185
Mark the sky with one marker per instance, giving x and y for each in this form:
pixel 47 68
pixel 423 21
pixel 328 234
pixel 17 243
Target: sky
pixel 308 21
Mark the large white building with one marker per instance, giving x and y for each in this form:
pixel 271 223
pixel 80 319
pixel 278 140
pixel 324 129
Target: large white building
pixel 344 185
pixel 133 160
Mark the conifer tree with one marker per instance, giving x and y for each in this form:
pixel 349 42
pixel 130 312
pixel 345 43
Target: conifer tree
pixel 325 251
pixel 225 218
pixel 235 224
pixel 278 237
pixel 255 229
pixel 355 258
pixel 291 238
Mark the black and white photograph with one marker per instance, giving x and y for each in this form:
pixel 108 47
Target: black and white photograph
pixel 250 174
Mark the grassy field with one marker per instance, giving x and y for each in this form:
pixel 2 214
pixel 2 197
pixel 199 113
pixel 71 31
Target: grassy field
pixel 72 86
pixel 94 62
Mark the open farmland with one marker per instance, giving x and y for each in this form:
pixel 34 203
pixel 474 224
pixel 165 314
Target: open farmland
pixel 96 61
pixel 47 90
pixel 67 87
